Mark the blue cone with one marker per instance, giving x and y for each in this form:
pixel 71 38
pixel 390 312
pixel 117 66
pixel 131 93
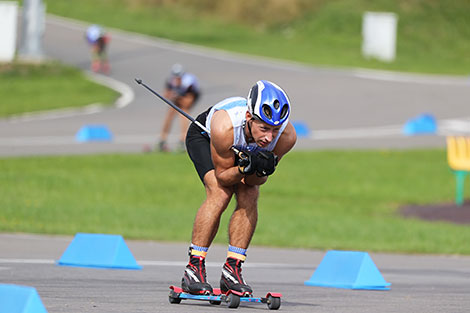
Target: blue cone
pixel 301 129
pixel 93 133
pixel 98 250
pixel 20 299
pixel 348 270
pixel 424 124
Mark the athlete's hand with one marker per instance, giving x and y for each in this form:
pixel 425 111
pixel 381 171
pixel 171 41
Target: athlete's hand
pixel 245 161
pixel 259 161
pixel 266 163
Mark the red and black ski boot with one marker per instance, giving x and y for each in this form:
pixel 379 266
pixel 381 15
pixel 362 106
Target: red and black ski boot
pixel 232 278
pixel 194 279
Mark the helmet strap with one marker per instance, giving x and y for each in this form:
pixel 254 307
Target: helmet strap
pixel 249 128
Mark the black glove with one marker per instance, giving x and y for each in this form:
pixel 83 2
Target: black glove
pixel 244 160
pixel 266 163
pixel 259 161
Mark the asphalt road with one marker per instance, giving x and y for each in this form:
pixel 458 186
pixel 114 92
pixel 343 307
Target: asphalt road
pixel 343 108
pixel 419 283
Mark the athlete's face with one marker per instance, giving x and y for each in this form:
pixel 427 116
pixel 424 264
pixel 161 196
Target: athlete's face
pixel 263 134
pixel 177 80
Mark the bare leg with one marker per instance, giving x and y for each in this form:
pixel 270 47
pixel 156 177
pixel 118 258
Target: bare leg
pixel 95 60
pixel 208 216
pixel 244 218
pixel 170 115
pixel 185 103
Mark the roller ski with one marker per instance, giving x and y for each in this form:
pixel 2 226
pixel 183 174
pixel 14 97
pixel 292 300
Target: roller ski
pixel 233 288
pixel 232 298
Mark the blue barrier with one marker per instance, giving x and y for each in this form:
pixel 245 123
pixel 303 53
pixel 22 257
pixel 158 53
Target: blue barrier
pixel 93 133
pixel 98 250
pixel 424 124
pixel 301 129
pixel 348 270
pixel 20 299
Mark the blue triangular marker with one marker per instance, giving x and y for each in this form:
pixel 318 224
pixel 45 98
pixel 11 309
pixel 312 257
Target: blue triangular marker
pixel 424 124
pixel 301 129
pixel 98 250
pixel 349 270
pixel 20 299
pixel 93 133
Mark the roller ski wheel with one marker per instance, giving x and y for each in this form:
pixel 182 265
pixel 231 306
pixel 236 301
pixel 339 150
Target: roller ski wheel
pixel 233 300
pixel 173 297
pixel 274 303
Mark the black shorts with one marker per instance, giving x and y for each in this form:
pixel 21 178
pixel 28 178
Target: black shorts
pixel 198 146
pixel 195 92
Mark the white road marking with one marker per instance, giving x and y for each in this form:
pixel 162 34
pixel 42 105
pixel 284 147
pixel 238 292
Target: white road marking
pixel 354 133
pixel 127 94
pixel 163 263
pixel 125 98
pixel 55 114
pixel 444 128
pixel 26 261
pixel 70 140
pixel 411 77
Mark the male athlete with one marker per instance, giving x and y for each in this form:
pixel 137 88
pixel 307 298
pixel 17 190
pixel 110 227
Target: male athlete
pixel 260 129
pixel 98 40
pixel 181 88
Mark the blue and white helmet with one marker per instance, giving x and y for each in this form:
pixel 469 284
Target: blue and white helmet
pixel 177 70
pixel 269 103
pixel 94 32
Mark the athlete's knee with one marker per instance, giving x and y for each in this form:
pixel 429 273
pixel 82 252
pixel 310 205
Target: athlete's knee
pixel 186 102
pixel 247 195
pixel 248 190
pixel 216 192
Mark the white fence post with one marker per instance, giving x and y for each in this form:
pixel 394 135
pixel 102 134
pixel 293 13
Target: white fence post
pixel 379 35
pixel 8 18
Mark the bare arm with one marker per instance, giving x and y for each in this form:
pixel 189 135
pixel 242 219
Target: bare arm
pixel 222 156
pixel 286 142
pixel 169 94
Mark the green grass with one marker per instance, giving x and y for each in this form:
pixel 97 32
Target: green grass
pixel 322 200
pixel 30 88
pixel 433 35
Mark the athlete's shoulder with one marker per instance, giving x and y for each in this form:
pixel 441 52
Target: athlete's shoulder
pixel 221 126
pixel 286 141
pixel 189 79
pixel 230 103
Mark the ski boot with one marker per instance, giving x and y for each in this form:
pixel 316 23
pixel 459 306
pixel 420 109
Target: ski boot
pixel 232 278
pixel 194 279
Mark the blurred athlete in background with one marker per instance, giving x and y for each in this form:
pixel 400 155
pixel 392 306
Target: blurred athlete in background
pixel 98 40
pixel 183 90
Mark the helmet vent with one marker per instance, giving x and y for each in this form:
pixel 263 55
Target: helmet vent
pixel 276 104
pixel 267 111
pixel 253 97
pixel 284 111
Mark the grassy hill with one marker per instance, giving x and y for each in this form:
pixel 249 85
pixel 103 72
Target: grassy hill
pixel 29 88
